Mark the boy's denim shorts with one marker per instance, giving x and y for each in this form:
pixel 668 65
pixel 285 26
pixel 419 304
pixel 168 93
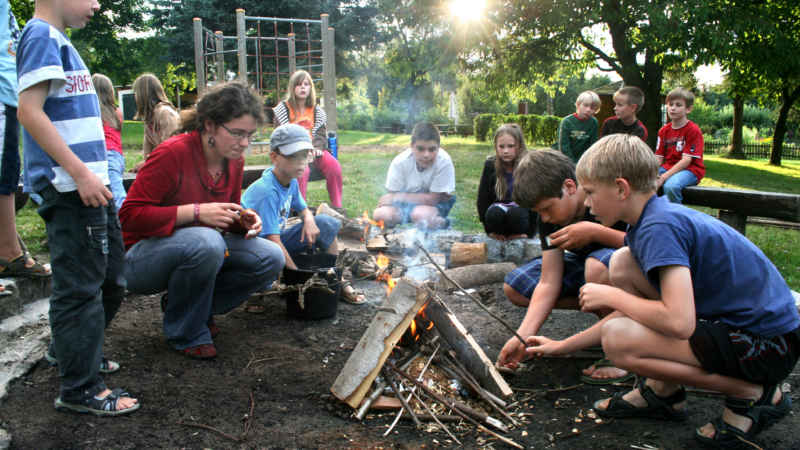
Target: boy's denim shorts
pixel 9 160
pixel 405 208
pixel 524 278
pixel 328 229
pixel 724 350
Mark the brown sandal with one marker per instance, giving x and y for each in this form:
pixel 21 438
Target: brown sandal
pixel 18 267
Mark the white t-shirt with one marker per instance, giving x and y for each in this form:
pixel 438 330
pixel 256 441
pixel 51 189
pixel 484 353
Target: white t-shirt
pixel 404 176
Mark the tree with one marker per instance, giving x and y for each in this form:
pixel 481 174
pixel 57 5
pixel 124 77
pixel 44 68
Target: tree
pixel 99 43
pixel 752 40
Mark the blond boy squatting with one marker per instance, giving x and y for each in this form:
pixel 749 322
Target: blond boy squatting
pixel 695 303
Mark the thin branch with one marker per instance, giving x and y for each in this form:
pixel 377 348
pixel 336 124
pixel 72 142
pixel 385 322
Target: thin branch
pixel 210 428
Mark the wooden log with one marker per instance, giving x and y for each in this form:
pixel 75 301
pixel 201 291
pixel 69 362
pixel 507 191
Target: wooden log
pixel 468 351
pixel 467 254
pixel 357 228
pixel 386 328
pixel 377 244
pixel 476 275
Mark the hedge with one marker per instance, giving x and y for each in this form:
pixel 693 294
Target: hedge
pixel 538 130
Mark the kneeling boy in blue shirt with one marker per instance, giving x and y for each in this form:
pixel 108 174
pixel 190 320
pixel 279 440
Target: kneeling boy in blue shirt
pixel 276 194
pixel 696 303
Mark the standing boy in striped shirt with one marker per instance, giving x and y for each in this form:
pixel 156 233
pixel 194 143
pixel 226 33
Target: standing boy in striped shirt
pixel 65 163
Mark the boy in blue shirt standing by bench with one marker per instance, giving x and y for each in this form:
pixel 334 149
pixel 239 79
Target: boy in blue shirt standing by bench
pixel 696 303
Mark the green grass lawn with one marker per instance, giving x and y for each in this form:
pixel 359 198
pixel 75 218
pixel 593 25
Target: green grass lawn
pixel 365 159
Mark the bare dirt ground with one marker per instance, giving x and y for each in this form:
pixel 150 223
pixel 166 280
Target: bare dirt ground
pixel 288 366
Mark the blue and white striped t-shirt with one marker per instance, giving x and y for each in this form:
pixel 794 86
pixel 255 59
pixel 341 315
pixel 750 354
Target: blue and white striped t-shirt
pixel 46 54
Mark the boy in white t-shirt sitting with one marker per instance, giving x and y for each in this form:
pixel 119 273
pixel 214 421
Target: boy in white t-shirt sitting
pixel 421 182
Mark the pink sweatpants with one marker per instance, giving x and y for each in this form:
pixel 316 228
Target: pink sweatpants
pixel 332 170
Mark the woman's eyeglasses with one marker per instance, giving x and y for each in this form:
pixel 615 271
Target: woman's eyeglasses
pixel 239 134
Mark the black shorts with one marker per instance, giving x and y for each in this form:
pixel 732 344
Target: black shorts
pixel 724 350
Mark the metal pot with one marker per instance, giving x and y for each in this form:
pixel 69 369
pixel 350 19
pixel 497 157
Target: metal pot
pixel 318 302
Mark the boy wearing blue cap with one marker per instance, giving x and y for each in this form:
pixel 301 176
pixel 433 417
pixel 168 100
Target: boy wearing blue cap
pixel 276 194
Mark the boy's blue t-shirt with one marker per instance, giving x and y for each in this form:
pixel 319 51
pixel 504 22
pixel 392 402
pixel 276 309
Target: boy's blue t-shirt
pixel 273 201
pixel 9 35
pixel 46 54
pixel 733 281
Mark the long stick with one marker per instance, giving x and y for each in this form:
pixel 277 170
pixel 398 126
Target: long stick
pixel 419 377
pixel 403 401
pixel 474 298
pixel 454 405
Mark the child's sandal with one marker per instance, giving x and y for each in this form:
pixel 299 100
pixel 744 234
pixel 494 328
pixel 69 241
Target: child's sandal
pixel 106 406
pixel 762 412
pixel 657 407
pixel 351 295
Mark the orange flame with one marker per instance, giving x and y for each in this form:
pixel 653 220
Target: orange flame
pixel 420 315
pixel 378 224
pixel 382 261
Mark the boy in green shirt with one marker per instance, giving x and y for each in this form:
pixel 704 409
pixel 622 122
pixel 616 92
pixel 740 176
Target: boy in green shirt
pixel 578 131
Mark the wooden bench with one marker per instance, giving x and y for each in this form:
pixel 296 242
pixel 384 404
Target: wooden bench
pixel 735 206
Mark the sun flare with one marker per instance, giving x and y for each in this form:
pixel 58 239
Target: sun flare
pixel 467 10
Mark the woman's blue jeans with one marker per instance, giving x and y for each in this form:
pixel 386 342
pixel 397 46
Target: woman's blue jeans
pixel 205 272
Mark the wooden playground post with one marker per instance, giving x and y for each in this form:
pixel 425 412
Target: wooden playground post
pixel 292 55
pixel 242 45
pixel 199 62
pixel 220 57
pixel 328 75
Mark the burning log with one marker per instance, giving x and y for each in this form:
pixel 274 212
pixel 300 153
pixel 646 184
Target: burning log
pixel 475 275
pixel 377 244
pixel 357 229
pixel 467 254
pixel 388 326
pixel 467 349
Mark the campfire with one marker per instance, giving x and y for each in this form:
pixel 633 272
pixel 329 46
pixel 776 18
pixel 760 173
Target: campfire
pixel 416 356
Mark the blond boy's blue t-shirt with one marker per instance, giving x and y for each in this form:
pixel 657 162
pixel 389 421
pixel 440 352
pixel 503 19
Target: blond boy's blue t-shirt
pixel 273 202
pixel 46 54
pixel 732 280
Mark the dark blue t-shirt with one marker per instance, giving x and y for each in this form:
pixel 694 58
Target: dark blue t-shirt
pixel 733 281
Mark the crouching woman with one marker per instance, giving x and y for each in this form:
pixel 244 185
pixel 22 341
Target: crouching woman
pixel 184 229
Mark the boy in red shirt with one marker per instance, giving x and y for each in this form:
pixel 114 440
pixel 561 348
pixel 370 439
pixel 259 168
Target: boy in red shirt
pixel 680 147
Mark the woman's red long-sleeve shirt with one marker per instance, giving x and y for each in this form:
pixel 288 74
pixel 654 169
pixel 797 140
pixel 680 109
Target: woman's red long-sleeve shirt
pixel 176 173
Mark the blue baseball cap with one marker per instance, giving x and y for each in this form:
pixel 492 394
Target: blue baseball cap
pixel 289 139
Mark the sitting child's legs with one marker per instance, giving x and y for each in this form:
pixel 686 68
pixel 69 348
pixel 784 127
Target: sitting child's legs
pixel 674 185
pixel 390 215
pixel 332 170
pixel 328 229
pixel 506 219
pixel 426 217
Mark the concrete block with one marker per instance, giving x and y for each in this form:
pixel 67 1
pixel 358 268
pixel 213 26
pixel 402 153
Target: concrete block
pixel 533 249
pixel 23 291
pixel 495 251
pixel 444 239
pixel 515 251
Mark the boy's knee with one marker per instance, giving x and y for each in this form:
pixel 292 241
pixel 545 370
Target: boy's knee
pixel 595 271
pixel 514 296
pixel 615 334
pixel 389 215
pixel 621 264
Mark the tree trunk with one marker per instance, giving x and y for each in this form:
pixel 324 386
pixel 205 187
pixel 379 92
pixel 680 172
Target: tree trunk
pixel 736 137
pixel 780 125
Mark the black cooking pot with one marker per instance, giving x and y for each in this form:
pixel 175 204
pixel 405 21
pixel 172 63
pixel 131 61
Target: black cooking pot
pixel 319 304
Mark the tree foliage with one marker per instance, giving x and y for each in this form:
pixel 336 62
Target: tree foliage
pixel 753 41
pixel 639 40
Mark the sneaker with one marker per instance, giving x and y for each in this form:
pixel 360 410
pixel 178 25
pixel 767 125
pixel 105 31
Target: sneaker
pixel 106 365
pixel 203 351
